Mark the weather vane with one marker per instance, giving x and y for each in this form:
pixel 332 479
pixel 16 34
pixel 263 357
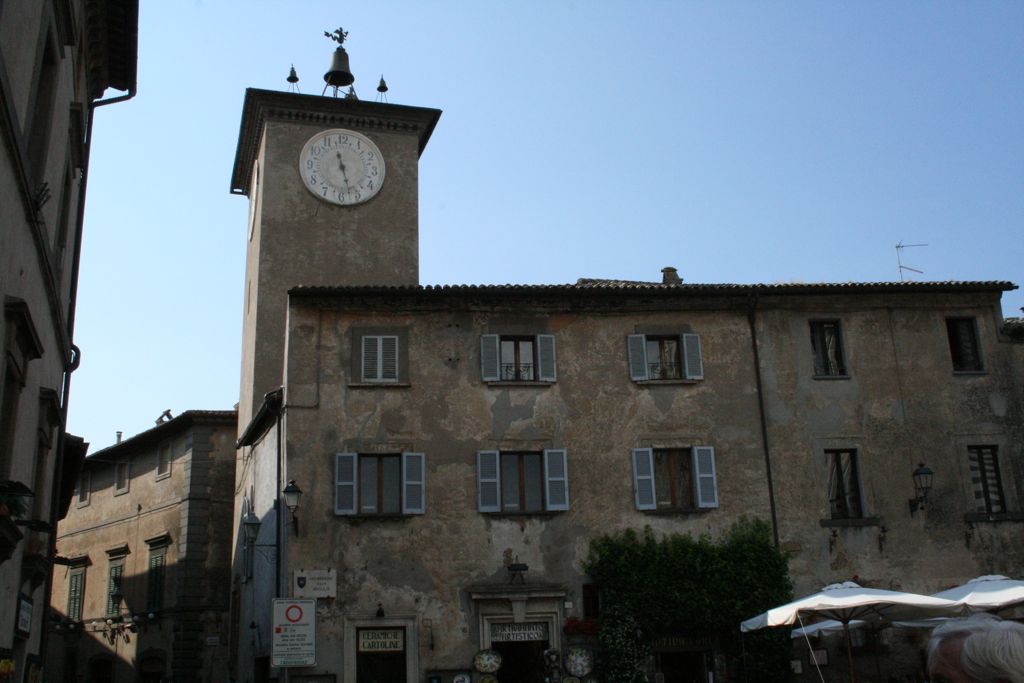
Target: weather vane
pixel 338 36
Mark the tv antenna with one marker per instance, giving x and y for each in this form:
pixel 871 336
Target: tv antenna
pixel 899 258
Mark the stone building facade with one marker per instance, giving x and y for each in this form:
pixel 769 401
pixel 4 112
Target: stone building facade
pixel 144 557
pixel 457 448
pixel 57 60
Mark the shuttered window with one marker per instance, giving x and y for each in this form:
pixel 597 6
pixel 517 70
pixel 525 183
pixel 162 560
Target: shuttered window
pixel 155 579
pixel 986 479
pixel 675 478
pixel 963 344
pixel 517 358
pixel 380 358
pixel 76 589
pixel 379 484
pixel 664 357
pixel 523 482
pixel 114 596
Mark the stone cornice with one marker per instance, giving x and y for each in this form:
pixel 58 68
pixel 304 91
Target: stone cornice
pixel 267 105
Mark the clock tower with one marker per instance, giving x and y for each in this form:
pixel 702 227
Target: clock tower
pixel 333 200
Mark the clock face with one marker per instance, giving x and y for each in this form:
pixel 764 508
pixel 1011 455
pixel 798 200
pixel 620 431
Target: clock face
pixel 341 167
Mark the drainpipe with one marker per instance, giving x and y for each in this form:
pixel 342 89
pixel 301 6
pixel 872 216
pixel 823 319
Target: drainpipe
pixel 751 321
pixel 277 508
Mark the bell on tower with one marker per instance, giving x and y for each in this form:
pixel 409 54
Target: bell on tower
pixel 339 75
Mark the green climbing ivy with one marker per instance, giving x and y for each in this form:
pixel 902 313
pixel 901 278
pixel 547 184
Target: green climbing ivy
pixel 676 584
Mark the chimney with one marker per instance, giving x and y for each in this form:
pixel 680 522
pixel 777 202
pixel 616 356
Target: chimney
pixel 669 276
pixel 119 437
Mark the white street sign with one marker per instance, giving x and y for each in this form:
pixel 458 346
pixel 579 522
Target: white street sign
pixel 315 583
pixel 294 642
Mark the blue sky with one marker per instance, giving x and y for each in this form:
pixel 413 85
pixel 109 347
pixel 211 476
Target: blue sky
pixel 737 141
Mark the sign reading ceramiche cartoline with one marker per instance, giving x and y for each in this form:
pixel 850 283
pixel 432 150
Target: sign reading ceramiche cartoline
pixel 294 641
pixel 381 640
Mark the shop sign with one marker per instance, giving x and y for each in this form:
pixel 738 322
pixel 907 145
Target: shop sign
pixel 531 630
pixel 682 643
pixel 382 640
pixel 315 583
pixel 294 639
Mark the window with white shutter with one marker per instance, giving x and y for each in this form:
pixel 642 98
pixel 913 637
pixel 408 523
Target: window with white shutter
pixel 518 358
pixel 369 484
pixel 523 482
pixel 664 357
pixel 681 479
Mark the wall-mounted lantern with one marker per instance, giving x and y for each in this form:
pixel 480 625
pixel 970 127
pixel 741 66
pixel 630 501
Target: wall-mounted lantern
pixel 250 526
pixel 292 493
pixel 922 485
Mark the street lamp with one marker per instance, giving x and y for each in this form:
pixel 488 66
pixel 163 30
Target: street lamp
pixel 922 477
pixel 250 526
pixel 292 493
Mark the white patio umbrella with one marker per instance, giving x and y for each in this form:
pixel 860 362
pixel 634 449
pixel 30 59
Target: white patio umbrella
pixel 986 592
pixel 846 602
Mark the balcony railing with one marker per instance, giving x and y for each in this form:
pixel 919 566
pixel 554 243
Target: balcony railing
pixel 517 372
pixel 664 371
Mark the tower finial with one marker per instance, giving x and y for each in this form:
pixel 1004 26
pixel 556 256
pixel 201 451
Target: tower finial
pixel 338 36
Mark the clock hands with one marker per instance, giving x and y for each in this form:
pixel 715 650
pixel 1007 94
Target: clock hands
pixel 341 165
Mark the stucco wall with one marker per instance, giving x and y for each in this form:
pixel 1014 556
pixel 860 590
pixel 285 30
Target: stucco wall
pixel 899 404
pixel 335 244
pixel 191 509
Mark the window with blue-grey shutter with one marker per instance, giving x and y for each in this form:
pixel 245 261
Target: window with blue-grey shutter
pixel 345 466
pixel 518 358
pixel 489 364
pixel 523 482
pixel 705 478
pixel 413 483
pixel 368 484
pixel 556 478
pixel 637 347
pixel 693 364
pixel 664 357
pixel 488 481
pixel 643 478
pixel 546 358
pixel 682 479
pixel 380 358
